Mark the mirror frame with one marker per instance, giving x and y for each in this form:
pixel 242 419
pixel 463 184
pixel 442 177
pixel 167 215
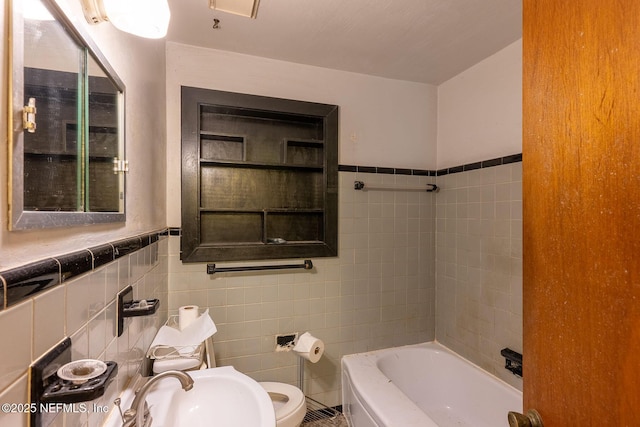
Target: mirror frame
pixel 20 219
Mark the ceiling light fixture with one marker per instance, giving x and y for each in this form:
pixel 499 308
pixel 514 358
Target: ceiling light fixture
pixel 144 18
pixel 248 8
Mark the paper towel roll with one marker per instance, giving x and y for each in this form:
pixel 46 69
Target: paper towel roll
pixel 186 315
pixel 309 347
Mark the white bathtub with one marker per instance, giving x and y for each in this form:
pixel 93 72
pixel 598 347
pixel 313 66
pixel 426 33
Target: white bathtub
pixel 424 385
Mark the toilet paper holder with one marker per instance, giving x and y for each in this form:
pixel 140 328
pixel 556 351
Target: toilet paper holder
pixel 128 307
pixel 316 411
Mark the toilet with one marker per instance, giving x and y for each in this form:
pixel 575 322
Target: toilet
pixel 288 401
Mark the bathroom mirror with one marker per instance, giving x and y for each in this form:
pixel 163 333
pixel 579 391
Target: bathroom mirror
pixel 67 135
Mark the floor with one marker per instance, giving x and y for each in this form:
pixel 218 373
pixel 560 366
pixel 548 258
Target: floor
pixel 339 421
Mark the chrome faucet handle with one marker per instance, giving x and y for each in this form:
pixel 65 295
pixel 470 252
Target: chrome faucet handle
pixel 117 403
pixel 129 417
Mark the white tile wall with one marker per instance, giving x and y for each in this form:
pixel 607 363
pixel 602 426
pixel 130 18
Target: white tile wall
pixel 397 249
pixel 479 265
pixel 379 292
pixel 84 309
pixel 17 342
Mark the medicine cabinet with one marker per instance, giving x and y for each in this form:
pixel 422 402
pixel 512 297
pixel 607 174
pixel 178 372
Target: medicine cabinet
pixel 259 177
pixel 67 131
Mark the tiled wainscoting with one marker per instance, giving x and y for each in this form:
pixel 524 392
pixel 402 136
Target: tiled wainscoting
pixel 398 252
pixel 79 302
pixel 379 292
pixel 479 263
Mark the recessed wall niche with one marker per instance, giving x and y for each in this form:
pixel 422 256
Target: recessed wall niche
pixel 259 177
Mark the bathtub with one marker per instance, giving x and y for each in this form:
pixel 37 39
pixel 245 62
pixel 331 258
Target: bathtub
pixel 423 385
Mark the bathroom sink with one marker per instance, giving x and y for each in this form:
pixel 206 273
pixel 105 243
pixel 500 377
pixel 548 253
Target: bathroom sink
pixel 221 396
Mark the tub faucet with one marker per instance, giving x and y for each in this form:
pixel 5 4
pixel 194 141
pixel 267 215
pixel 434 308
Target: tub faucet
pixel 137 414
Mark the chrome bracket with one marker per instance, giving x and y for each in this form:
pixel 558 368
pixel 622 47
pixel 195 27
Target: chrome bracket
pixel 120 166
pixel 29 116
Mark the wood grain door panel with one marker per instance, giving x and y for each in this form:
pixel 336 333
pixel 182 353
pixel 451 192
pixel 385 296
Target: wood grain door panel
pixel 581 193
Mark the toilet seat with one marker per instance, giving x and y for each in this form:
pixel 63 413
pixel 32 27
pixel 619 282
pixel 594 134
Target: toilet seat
pixel 290 412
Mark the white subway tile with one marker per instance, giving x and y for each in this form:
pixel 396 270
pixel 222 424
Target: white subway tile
pixel 77 306
pixel 97 330
pixel 15 393
pixel 96 283
pixel 48 320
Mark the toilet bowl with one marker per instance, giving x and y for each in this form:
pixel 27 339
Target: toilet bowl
pixel 288 401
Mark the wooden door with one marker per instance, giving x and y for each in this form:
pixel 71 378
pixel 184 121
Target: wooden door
pixel 581 178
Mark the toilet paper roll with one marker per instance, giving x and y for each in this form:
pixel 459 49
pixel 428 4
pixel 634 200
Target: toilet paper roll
pixel 309 347
pixel 187 314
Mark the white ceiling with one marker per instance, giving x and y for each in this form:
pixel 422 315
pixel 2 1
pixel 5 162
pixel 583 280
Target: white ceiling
pixel 426 41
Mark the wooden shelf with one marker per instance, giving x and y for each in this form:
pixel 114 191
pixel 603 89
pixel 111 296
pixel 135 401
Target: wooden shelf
pixel 290 244
pixel 270 210
pixel 255 169
pixel 257 165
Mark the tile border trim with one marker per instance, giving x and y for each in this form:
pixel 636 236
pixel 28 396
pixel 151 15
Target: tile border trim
pixel 21 283
pixel 24 282
pixel 514 158
pixel 384 170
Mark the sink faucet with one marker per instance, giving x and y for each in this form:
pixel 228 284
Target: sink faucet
pixel 135 416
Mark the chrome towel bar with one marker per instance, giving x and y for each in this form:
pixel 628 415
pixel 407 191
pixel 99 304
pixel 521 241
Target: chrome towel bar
pixel 360 185
pixel 212 269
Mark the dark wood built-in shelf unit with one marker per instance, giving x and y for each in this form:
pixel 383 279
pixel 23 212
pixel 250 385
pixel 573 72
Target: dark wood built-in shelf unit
pixel 259 177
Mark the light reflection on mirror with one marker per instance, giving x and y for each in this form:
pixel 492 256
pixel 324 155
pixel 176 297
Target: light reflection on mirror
pixel 102 187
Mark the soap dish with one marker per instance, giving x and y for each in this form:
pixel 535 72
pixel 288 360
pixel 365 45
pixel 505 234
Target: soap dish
pixel 64 391
pixel 81 371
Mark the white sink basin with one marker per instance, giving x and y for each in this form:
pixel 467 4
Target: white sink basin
pixel 221 397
